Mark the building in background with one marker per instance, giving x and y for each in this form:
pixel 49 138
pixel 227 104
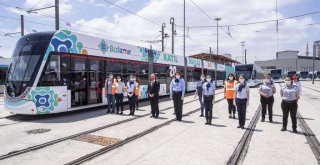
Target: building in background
pixel 290 61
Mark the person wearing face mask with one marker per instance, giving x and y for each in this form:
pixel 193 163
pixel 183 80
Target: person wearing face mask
pixel 198 92
pixel 229 94
pixel 290 96
pixel 209 98
pixel 119 89
pixel 266 91
pixel 153 92
pixel 136 92
pixel 241 94
pixel 131 86
pixel 177 91
pixel 110 93
pixel 296 82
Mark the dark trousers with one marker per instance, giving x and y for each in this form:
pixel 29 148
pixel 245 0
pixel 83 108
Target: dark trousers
pixel 111 102
pixel 201 103
pixel 154 102
pixel 132 103
pixel 231 107
pixel 177 103
pixel 242 110
pixel 119 100
pixel 208 107
pixel 137 101
pixel 267 101
pixel 289 107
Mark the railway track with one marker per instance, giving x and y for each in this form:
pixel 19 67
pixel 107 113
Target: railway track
pixel 43 145
pixel 311 88
pixel 241 150
pixel 126 141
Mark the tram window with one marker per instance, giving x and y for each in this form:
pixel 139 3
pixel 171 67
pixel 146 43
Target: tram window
pixel 196 74
pixel 2 76
pixel 51 73
pixel 114 67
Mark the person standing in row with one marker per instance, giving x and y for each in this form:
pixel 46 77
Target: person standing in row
pixel 266 91
pixel 290 96
pixel 177 91
pixel 242 93
pixel 110 93
pixel 198 92
pixel 153 92
pixel 297 83
pixel 209 98
pixel 119 89
pixel 229 94
pixel 131 86
pixel 136 92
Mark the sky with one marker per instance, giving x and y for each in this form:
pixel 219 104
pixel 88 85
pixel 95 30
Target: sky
pixel 102 19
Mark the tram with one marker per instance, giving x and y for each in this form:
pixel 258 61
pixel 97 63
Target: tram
pixel 276 75
pixel 253 73
pixel 304 76
pixel 317 75
pixel 53 72
pixel 291 73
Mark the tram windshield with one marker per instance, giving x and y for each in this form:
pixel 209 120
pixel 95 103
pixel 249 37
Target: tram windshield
pixel 318 74
pixel 24 67
pixel 246 70
pixel 304 74
pixel 276 74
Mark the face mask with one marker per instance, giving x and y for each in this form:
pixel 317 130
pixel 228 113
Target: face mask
pixel 230 78
pixel 288 82
pixel 202 78
pixel 177 76
pixel 110 76
pixel 241 80
pixel 152 78
pixel 209 79
pixel 119 79
pixel 267 80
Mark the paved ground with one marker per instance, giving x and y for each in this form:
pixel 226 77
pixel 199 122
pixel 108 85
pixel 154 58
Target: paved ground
pixel 186 142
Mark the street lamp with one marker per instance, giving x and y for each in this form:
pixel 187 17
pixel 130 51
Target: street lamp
pixel 215 71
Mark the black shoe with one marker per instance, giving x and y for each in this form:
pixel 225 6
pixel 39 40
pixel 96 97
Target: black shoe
pixel 234 116
pixel 230 116
pixel 201 115
pixel 112 111
pixel 271 121
pixel 284 129
pixel 294 131
pixel 108 111
pixel 210 123
pixel 242 127
pixel 239 126
pixel 121 113
pixel 262 120
pixel 206 123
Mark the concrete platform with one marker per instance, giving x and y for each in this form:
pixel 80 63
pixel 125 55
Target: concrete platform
pixel 186 142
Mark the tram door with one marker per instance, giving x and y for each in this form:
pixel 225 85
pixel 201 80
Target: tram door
pixel 95 80
pixel 78 80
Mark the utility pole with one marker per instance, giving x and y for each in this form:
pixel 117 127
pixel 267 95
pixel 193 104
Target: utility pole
pixel 22 25
pixel 184 43
pixel 172 34
pixel 245 56
pixel 162 36
pixel 215 70
pixel 57 14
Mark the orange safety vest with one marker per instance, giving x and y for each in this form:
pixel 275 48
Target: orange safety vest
pixel 113 87
pixel 229 89
pixel 136 91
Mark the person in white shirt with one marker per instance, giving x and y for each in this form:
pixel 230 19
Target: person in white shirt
pixel 242 99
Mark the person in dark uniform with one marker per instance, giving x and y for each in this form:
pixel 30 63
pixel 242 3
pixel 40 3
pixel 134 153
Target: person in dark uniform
pixel 209 98
pixel 290 96
pixel 177 91
pixel 153 92
pixel 198 92
pixel 131 86
pixel 266 91
pixel 241 94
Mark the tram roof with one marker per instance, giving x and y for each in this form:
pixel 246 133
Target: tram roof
pixel 214 58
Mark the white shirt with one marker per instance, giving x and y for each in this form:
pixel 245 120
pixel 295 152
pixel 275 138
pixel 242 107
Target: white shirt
pixel 243 93
pixel 298 84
